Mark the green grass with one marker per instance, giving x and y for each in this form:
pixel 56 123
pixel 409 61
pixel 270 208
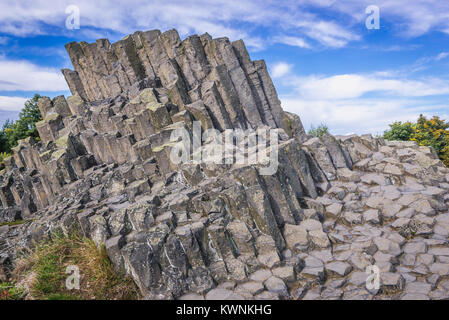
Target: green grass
pixel 49 260
pixel 49 271
pixel 8 291
pixel 14 223
pixel 61 296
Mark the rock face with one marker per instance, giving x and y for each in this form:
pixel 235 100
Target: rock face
pixel 335 205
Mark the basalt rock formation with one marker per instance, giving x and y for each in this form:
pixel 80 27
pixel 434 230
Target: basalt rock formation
pixel 335 205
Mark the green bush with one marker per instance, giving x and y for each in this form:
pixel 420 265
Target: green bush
pixel 319 131
pixel 399 131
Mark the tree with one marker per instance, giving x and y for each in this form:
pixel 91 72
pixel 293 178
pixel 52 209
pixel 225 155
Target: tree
pixel 433 133
pixel 4 140
pixel 24 127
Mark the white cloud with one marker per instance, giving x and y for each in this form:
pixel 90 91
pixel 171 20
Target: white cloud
pixel 356 115
pixel 298 20
pixel 331 34
pixel 347 86
pixel 280 69
pixel 410 18
pixel 363 103
pixel 12 103
pixel 442 56
pixel 16 75
pixel 34 17
pixel 292 41
pixel 233 18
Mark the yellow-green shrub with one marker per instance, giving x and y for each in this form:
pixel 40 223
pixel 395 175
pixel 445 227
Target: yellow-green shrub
pixel 426 132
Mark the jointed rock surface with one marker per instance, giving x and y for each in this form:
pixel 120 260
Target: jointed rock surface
pixel 335 206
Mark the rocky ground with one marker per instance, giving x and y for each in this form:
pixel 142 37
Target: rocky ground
pixel 391 211
pixel 335 206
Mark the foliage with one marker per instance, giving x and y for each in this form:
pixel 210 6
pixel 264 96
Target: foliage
pixel 13 223
pixel 4 138
pixel 319 131
pixel 8 291
pixel 3 156
pixel 24 127
pixel 47 264
pixel 426 132
pixel 399 131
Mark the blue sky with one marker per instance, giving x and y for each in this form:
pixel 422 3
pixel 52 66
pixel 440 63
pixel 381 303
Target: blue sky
pixel 326 65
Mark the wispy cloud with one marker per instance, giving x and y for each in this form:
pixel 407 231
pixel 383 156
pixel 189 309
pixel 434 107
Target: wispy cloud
pixel 442 56
pixel 411 18
pixel 299 20
pixel 292 41
pixel 17 75
pixel 346 86
pixel 331 34
pixel 233 18
pixel 12 103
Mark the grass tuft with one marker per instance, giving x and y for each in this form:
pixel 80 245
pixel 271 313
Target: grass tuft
pixel 48 262
pixel 14 223
pixel 9 291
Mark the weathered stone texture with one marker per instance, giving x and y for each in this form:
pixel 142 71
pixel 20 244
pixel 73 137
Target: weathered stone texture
pixel 334 206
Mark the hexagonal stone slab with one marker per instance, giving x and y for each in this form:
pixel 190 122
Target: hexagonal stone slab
pixel 339 268
pixel 223 294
